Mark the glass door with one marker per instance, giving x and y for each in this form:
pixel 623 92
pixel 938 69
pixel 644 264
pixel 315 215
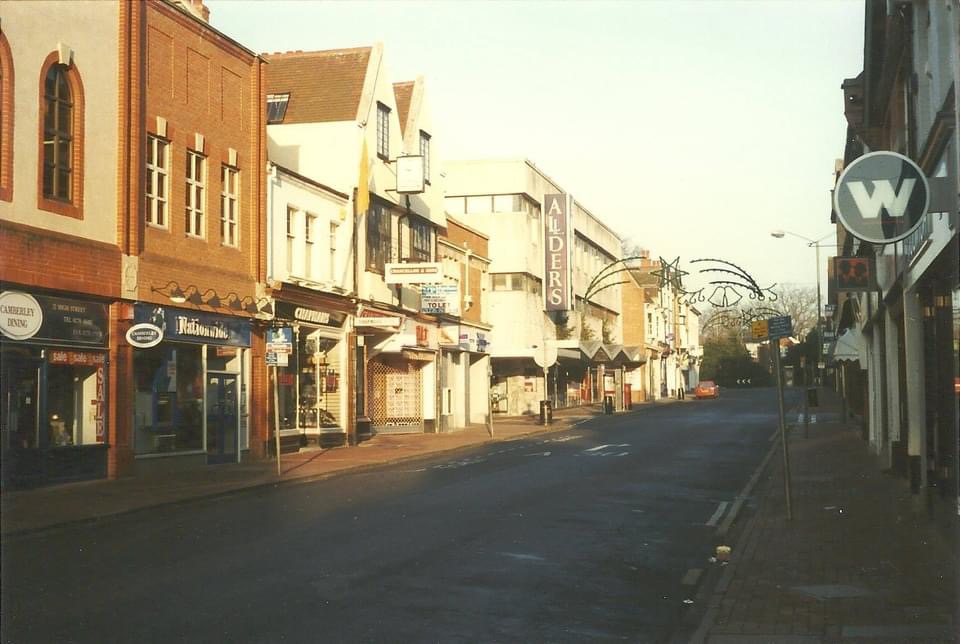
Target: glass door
pixel 223 428
pixel 22 440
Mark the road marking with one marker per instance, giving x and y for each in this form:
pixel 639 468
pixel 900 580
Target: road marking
pixel 719 513
pixel 622 454
pixel 521 556
pixel 540 454
pixel 600 447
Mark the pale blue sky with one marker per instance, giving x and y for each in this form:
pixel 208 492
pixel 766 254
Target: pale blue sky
pixel 693 128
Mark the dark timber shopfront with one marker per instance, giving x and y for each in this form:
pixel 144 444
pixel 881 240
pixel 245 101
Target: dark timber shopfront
pixel 53 383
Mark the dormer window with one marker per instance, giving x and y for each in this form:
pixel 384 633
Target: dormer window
pixel 277 107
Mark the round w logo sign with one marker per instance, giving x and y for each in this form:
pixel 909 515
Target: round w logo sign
pixel 881 197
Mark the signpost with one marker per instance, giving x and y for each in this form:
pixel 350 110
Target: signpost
pixel 279 345
pixel 545 355
pixel 781 327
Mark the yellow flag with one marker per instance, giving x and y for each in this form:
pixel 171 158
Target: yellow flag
pixel 363 183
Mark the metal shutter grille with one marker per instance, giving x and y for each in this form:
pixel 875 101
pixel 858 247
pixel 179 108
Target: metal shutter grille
pixel 395 394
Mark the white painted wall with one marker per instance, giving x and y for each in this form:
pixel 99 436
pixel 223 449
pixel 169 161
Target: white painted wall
pixel 327 208
pixel 91 30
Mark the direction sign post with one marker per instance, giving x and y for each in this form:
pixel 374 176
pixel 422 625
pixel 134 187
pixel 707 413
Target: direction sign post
pixel 545 355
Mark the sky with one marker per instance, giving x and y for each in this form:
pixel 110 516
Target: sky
pixel 691 128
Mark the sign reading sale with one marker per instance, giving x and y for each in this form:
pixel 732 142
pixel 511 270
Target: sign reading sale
pixel 556 274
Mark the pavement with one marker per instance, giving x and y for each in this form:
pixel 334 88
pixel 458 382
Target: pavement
pixel 29 511
pixel 861 560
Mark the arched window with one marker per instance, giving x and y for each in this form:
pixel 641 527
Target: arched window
pixel 57 134
pixel 6 120
pixel 61 131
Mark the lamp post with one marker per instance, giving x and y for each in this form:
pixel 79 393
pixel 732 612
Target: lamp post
pixel 811 243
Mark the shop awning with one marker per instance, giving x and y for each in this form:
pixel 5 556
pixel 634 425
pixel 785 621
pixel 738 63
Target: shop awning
pixel 849 347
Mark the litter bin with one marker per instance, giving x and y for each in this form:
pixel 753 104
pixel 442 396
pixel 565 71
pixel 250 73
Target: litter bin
pixel 608 404
pixel 812 397
pixel 546 412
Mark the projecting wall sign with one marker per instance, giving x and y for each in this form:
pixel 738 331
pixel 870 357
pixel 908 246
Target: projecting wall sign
pixel 881 197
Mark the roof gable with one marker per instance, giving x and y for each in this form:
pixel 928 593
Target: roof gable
pixel 402 93
pixel 324 86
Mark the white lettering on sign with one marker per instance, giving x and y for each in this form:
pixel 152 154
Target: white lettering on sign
pixel 193 326
pixel 556 266
pixel 884 196
pixel 309 315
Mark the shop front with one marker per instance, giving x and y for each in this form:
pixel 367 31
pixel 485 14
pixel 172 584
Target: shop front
pixel 312 396
pixel 402 379
pixel 53 383
pixel 192 375
pixel 464 375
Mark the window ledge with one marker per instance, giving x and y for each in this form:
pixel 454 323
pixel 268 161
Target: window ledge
pixel 65 208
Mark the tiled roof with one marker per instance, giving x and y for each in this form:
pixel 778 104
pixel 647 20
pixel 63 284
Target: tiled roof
pixel 402 93
pixel 324 86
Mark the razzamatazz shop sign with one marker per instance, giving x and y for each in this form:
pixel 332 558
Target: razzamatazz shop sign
pixel 556 274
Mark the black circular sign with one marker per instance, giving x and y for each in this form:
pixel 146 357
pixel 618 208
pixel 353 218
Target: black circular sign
pixel 881 197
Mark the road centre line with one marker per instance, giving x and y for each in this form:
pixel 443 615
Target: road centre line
pixel 719 513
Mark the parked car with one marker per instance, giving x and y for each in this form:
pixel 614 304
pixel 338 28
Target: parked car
pixel 707 389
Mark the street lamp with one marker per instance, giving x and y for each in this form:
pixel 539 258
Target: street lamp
pixel 814 243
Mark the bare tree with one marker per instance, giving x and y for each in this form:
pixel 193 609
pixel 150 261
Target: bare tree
pixel 800 303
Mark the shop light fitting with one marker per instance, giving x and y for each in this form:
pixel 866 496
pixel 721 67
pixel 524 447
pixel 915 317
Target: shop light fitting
pixel 172 291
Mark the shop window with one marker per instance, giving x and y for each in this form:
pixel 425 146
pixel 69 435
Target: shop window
pixel 223 359
pixel 74 402
pixel 61 138
pixel 168 407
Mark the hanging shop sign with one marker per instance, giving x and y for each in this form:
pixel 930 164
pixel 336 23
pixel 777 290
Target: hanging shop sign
pixel 881 197
pixel 180 325
pixel 413 273
pixel 53 320
pixel 556 287
pixel 855 274
pixel 144 335
pixel 288 311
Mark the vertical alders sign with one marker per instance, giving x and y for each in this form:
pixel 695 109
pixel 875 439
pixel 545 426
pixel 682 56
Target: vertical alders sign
pixel 556 274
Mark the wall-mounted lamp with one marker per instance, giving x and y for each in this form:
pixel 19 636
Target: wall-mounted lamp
pixel 197 298
pixel 172 291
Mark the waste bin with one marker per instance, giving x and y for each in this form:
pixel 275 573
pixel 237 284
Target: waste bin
pixel 812 397
pixel 546 412
pixel 608 404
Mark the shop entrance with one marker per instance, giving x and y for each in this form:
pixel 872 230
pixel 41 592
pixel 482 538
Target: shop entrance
pixel 222 419
pixel 20 388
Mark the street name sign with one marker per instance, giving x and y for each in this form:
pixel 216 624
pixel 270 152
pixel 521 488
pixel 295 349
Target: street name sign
pixel 780 327
pixel 881 197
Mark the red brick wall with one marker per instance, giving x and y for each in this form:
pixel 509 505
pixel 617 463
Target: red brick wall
pixel 202 83
pixel 46 259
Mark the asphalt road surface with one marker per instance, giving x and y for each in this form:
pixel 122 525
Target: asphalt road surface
pixel 584 534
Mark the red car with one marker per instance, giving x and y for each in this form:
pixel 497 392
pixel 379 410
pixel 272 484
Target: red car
pixel 707 389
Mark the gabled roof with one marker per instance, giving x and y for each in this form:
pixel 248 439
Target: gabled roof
pixel 324 86
pixel 402 93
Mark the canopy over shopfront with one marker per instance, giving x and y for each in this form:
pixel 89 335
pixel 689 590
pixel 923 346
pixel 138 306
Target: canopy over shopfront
pixel 849 347
pixel 595 352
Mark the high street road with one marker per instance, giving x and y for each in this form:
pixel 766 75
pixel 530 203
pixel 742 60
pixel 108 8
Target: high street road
pixel 578 535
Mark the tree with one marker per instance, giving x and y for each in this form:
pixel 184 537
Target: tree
pixel 800 303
